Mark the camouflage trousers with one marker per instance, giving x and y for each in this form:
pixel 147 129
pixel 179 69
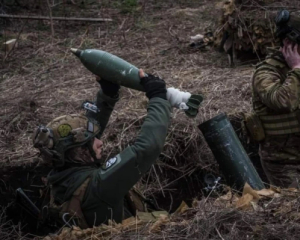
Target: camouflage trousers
pixel 280 158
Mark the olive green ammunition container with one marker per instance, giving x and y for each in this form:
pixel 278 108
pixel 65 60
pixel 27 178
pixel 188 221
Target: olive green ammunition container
pixel 230 154
pixel 110 67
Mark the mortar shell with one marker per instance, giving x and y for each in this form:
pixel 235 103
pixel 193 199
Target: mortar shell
pixel 110 67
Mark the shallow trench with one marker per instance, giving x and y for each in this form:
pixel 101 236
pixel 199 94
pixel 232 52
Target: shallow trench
pixel 29 178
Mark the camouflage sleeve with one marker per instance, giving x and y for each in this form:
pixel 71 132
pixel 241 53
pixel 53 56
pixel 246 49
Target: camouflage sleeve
pixel 106 105
pixel 275 93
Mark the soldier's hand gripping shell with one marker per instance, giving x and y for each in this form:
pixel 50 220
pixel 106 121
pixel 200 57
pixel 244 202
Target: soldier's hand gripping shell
pixel 154 86
pixel 178 98
pixel 109 88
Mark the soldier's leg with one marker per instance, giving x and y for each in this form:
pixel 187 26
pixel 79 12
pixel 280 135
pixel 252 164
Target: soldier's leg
pixel 281 165
pixel 281 175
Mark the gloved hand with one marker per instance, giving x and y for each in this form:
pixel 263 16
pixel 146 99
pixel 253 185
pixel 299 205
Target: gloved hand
pixel 154 86
pixel 178 98
pixel 109 88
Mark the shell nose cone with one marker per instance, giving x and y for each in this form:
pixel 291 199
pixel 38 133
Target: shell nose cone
pixel 76 51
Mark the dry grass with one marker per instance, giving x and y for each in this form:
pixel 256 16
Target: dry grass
pixel 41 80
pixel 270 218
pixel 9 231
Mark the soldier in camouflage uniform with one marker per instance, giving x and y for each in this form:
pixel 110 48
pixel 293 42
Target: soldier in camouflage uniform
pixel 83 193
pixel 276 98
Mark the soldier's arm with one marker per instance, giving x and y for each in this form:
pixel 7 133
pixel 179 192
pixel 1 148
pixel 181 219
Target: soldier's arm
pixel 106 105
pixel 277 95
pixel 130 165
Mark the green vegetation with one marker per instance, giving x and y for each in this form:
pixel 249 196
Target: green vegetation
pixel 144 24
pixel 126 6
pixel 88 43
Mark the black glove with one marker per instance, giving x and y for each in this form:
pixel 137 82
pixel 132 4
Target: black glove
pixel 154 87
pixel 109 88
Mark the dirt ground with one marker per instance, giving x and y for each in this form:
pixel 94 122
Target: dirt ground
pixel 41 79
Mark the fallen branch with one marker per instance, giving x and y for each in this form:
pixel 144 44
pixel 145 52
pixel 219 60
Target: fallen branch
pixel 51 20
pixel 17 39
pixel 56 18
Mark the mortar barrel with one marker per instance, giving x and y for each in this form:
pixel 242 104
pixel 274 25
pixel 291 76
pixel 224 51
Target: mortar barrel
pixel 229 153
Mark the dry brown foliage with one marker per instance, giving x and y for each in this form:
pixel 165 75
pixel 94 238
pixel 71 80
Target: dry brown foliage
pixel 41 80
pixel 249 24
pixel 273 215
pixel 8 230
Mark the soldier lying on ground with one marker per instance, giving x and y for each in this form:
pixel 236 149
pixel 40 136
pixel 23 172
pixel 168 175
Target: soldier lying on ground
pixel 88 195
pixel 276 95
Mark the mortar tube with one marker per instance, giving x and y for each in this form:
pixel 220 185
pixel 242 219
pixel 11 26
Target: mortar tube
pixel 231 156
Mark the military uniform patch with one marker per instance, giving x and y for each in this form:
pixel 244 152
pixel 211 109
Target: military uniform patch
pixel 64 130
pixel 110 162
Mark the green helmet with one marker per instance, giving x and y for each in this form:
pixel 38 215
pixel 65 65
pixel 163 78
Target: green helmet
pixel 64 133
pixel 288 25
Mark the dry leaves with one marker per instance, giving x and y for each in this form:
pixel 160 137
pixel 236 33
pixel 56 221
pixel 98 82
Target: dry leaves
pixel 249 28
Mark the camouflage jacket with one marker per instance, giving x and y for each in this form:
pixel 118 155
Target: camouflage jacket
pixel 104 196
pixel 275 87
